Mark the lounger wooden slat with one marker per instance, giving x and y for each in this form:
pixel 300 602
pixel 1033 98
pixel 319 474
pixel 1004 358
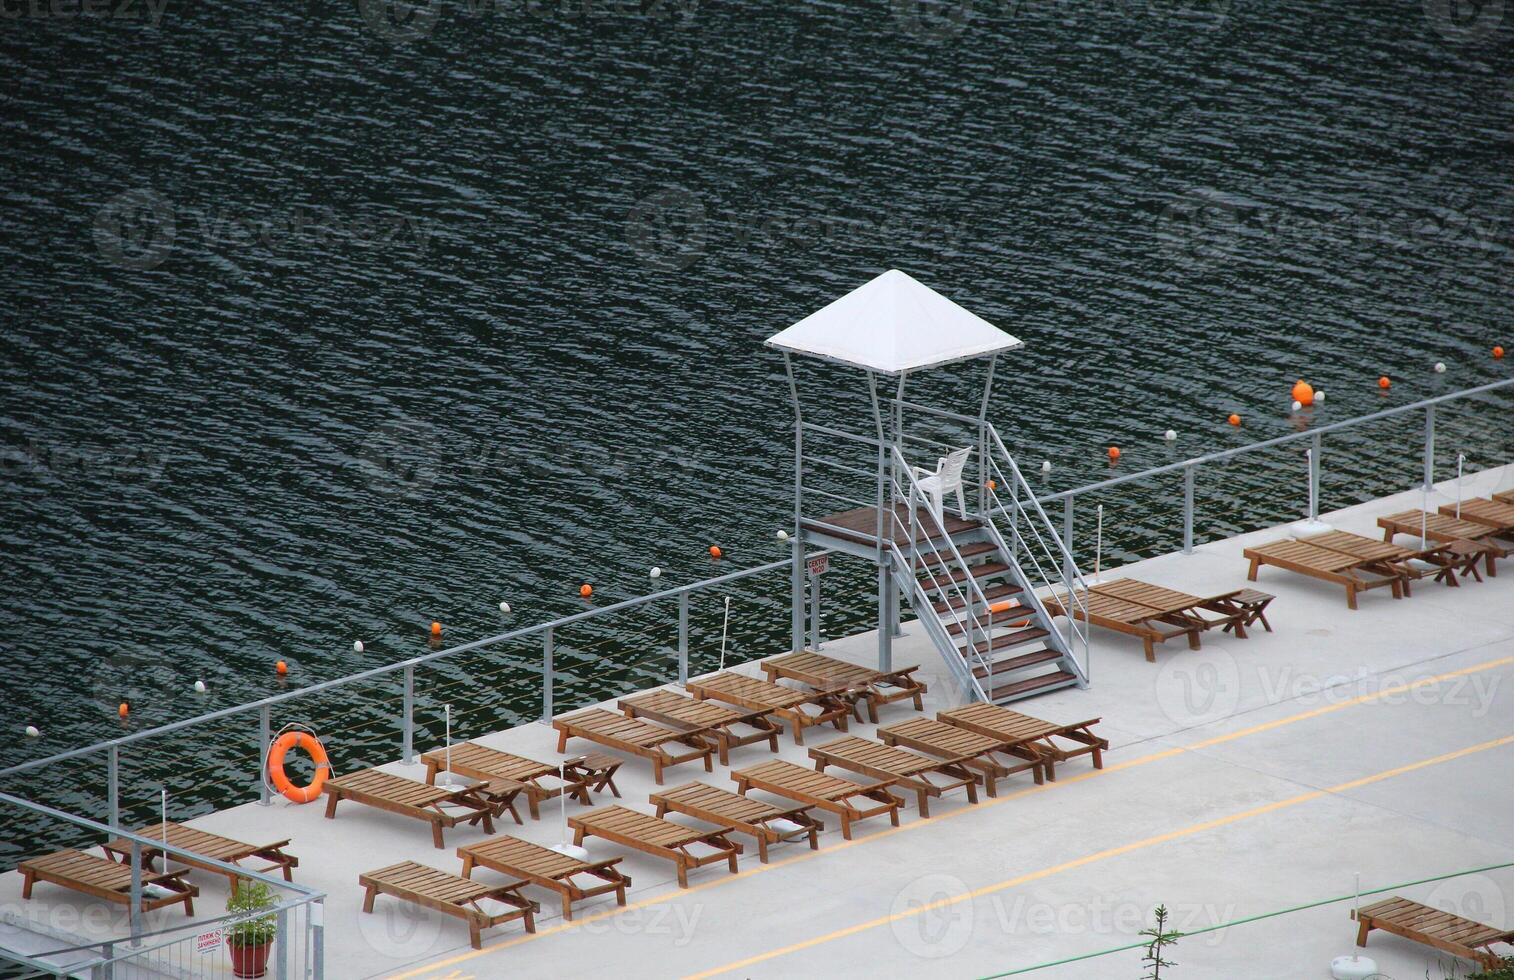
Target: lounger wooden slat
pixel 547 868
pixel 991 757
pixel 483 763
pixel 827 673
pixel 1495 515
pixel 1354 574
pixel 741 814
pixel 657 837
pixel 412 798
pixel 691 714
pixel 1113 613
pixel 1507 497
pixel 1432 927
pixel 634 737
pixel 447 893
pixel 1033 734
pixel 785 702
pixel 207 845
pixel 102 878
pixel 1182 609
pixel 907 769
pixel 830 793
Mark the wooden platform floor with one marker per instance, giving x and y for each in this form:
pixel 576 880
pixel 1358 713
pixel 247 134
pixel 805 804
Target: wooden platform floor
pixel 860 525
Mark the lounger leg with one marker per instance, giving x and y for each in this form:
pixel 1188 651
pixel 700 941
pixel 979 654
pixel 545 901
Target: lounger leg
pixel 762 848
pixel 773 741
pixel 567 907
pixel 331 799
pixel 436 834
pixel 1193 639
pixel 921 804
pixel 1255 564
pixel 534 804
pixel 798 732
pixel 683 875
pixel 724 742
pixel 972 792
pixel 1351 596
pixel 731 860
pixel 893 816
pixel 814 839
pixel 742 786
pixel 657 771
pixel 368 898
pixel 1151 654
pixel 473 935
pixel 1098 758
pixel 919 704
pixel 530 919
pixel 846 826
pixel 578 837
pixel 467 865
pixel 27 881
pixel 562 740
pixel 1364 927
pixel 189 904
pixel 709 764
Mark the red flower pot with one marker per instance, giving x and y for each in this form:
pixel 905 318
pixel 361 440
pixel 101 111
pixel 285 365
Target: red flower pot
pixel 249 961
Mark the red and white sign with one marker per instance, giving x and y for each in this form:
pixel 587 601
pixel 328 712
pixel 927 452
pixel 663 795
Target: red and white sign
pixel 818 565
pixel 208 942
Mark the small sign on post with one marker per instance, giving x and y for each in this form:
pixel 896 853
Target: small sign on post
pixel 209 942
pixel 818 565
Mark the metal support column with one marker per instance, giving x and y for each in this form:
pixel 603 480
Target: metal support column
pixel 1314 450
pixel 281 949
pixel 546 676
pixel 885 635
pixel 317 939
pixel 113 786
pixel 1429 447
pixel 1188 510
pixel 407 722
pixel 265 737
pixel 796 597
pixel 1067 570
pixel 814 612
pixel 683 638
pixel 134 916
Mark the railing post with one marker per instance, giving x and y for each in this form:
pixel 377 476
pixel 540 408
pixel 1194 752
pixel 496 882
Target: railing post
pixel 885 637
pixel 407 719
pixel 113 786
pixel 546 676
pixel 683 637
pixel 265 735
pixel 281 947
pixel 317 939
pixel 1314 451
pixel 796 595
pixel 1067 566
pixel 1429 447
pixel 1188 510
pixel 134 916
pixel 814 612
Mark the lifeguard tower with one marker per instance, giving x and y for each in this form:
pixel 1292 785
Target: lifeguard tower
pixel 931 497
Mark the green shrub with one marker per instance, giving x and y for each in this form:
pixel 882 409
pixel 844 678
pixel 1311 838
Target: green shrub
pixel 253 930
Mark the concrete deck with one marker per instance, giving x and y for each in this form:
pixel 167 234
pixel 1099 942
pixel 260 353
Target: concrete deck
pixel 1245 778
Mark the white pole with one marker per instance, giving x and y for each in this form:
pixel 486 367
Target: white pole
pixel 447 713
pixel 723 627
pixel 1313 504
pixel 1424 517
pixel 562 798
pixel 1460 459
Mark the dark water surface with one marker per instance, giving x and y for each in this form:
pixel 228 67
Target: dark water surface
pixel 322 325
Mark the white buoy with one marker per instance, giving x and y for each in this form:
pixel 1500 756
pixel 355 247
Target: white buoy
pixel 357 646
pixel 504 607
pixel 1170 435
pixel 1046 466
pixel 1319 398
pixel 1440 367
pixel 655 572
pixel 783 535
pixel 1297 405
pixel 199 687
pixel 33 732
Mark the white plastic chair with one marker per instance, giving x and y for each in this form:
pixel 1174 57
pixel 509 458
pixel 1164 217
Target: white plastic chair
pixel 946 479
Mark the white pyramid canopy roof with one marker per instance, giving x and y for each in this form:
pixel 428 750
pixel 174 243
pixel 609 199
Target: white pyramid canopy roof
pixel 892 325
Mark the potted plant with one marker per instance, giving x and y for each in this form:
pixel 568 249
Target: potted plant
pixel 249 937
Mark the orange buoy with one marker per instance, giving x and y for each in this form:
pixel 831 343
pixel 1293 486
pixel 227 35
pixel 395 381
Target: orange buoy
pixel 281 667
pixel 281 782
pixel 1498 353
pixel 714 551
pixel 992 484
pixel 1384 383
pixel 1303 392
pixel 1114 454
pixel 124 709
pixel 436 628
pixel 1234 419
pixel 586 590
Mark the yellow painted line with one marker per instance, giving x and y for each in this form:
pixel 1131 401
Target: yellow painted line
pixel 982 805
pixel 1173 835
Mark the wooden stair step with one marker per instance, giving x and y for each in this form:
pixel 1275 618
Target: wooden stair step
pixel 958 576
pixel 1014 614
pixel 998 590
pixel 1007 640
pixel 1016 663
pixel 1032 684
pixel 931 559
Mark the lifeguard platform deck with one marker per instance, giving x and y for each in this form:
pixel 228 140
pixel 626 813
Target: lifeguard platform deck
pixel 1245 778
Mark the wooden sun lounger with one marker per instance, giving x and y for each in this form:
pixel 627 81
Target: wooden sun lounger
pixel 657 837
pixel 501 768
pixel 1447 559
pixel 103 878
pixel 908 770
pixel 208 845
pixel 828 674
pixel 1123 616
pixel 413 798
pixel 449 894
pixel 1507 497
pixel 1493 514
pixel 1442 529
pixel 740 813
pixel 991 757
pixel 1354 574
pixel 691 714
pixel 785 702
pixel 634 737
pixel 1029 733
pixel 830 793
pixel 546 868
pixel 1432 927
pixel 1181 609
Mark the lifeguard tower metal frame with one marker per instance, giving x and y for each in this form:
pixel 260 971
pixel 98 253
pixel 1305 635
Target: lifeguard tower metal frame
pixel 975 579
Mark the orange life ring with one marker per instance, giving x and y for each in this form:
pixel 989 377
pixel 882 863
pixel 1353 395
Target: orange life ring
pixel 317 752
